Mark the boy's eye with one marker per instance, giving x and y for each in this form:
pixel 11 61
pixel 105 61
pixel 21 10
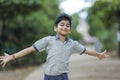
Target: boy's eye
pixel 62 25
pixel 67 26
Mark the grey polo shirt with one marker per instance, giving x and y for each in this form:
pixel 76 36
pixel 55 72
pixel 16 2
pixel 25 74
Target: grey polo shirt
pixel 58 53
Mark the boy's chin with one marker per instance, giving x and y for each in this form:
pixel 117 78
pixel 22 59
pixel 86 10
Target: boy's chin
pixel 64 34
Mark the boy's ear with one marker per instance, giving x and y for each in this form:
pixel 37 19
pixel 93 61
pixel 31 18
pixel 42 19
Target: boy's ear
pixel 55 28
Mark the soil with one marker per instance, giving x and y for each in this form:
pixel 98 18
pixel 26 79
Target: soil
pixel 81 68
pixel 87 68
pixel 17 74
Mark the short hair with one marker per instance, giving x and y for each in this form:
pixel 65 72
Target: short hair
pixel 63 16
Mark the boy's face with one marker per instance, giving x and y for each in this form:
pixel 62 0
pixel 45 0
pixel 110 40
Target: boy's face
pixel 63 28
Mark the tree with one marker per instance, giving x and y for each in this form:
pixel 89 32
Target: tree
pixel 75 21
pixel 23 22
pixel 9 10
pixel 103 18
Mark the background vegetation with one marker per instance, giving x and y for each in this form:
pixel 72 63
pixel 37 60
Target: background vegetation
pixel 22 22
pixel 104 20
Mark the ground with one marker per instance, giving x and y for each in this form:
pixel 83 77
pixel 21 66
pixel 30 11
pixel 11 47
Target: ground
pixel 90 68
pixel 81 68
pixel 20 73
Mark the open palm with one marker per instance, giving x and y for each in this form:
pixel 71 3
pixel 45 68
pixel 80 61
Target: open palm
pixel 4 59
pixel 103 55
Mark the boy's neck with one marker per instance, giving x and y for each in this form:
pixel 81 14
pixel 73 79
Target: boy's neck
pixel 62 37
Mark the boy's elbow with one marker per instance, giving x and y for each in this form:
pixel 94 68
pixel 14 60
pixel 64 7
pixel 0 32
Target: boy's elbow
pixel 85 52
pixel 31 49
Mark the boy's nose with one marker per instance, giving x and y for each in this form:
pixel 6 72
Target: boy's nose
pixel 65 26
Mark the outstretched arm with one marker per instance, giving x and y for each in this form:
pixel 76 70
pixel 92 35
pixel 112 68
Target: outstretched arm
pixel 101 55
pixel 7 58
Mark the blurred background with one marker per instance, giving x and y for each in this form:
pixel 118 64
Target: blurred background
pixel 96 23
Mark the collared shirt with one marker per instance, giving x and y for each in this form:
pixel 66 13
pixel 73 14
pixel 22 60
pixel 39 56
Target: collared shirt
pixel 58 53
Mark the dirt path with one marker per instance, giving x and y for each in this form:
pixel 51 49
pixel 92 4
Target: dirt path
pixel 87 68
pixel 90 68
pixel 17 74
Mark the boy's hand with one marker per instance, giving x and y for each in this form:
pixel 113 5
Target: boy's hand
pixel 103 55
pixel 4 59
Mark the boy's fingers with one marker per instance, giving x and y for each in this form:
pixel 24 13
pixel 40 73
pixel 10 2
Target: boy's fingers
pixel 1 62
pixel 1 57
pixel 4 65
pixel 6 54
pixel 107 55
pixel 104 51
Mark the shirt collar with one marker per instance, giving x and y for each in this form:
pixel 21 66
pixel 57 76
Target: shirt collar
pixel 57 37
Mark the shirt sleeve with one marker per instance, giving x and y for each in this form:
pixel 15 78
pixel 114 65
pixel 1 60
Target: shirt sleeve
pixel 41 44
pixel 78 48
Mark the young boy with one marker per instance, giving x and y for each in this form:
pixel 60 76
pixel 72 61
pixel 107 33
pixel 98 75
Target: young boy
pixel 59 49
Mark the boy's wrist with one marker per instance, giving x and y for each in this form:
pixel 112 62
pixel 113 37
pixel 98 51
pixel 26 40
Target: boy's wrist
pixel 98 55
pixel 12 57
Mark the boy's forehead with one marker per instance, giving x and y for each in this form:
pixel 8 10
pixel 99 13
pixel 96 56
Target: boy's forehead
pixel 64 21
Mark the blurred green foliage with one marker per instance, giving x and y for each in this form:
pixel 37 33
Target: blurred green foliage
pixel 22 22
pixel 104 19
pixel 75 21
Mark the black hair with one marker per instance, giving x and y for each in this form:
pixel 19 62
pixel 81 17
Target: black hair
pixel 63 16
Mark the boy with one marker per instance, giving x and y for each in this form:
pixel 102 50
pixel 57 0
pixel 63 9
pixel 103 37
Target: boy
pixel 59 49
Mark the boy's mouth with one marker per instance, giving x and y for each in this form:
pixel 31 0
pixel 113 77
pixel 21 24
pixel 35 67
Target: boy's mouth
pixel 64 29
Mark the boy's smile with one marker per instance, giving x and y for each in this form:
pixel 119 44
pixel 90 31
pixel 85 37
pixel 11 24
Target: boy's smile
pixel 63 28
